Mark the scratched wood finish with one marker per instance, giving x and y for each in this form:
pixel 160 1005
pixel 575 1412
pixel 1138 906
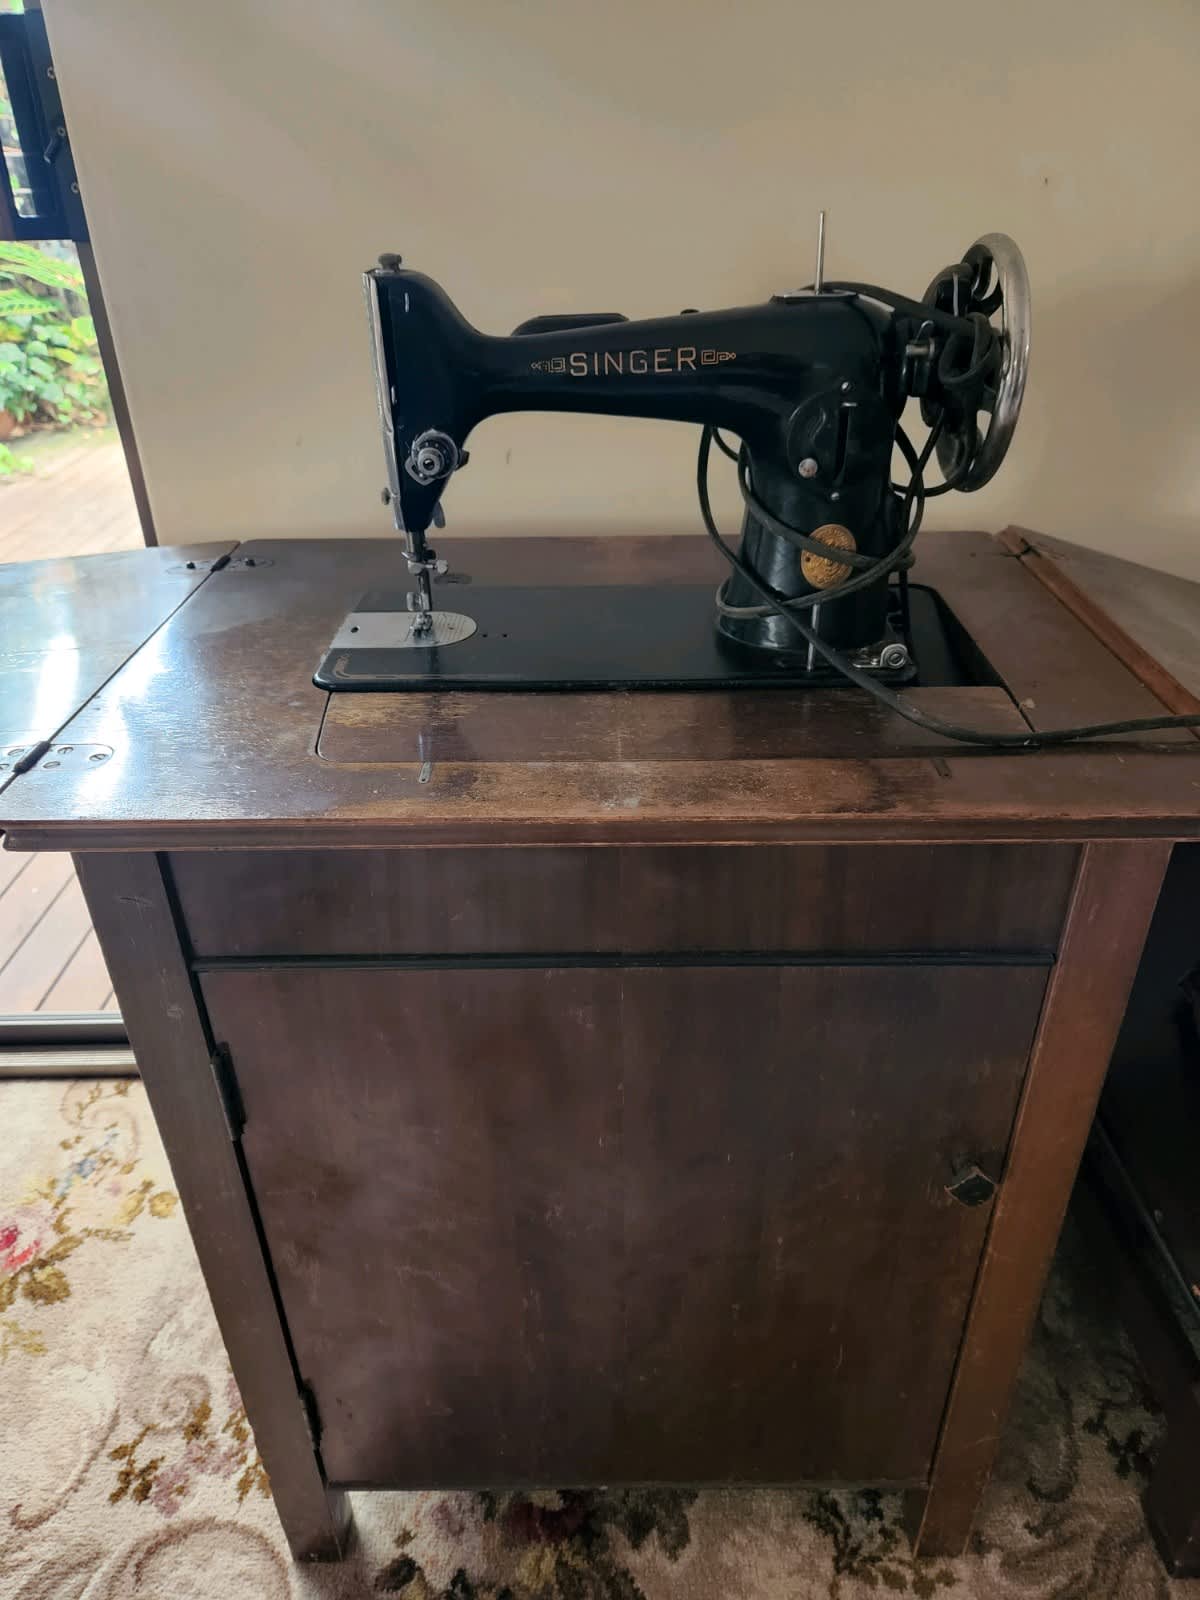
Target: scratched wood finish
pixel 1162 608
pixel 1000 898
pixel 1110 912
pixel 1060 672
pixel 622 1225
pixel 131 912
pixel 713 726
pixel 66 626
pixel 218 745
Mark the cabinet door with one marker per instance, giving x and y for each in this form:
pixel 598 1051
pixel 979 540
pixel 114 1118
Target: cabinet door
pixel 605 1224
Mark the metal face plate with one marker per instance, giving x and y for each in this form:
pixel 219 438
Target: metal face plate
pixel 393 630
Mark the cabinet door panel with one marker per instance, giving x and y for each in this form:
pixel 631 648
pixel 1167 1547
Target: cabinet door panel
pixel 624 1224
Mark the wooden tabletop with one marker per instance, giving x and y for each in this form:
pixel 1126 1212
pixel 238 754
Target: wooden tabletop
pixel 66 626
pixel 1149 619
pixel 218 736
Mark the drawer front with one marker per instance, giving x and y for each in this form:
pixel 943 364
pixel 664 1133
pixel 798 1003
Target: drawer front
pixel 812 898
pixel 617 1224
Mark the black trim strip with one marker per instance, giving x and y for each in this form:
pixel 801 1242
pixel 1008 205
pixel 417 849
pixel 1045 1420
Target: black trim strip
pixel 392 1486
pixel 673 958
pixel 49 1028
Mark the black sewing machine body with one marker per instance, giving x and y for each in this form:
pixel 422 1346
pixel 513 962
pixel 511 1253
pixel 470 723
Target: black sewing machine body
pixel 813 383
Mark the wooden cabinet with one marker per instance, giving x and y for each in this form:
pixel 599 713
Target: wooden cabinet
pixel 998 898
pixel 624 1223
pixel 568 1088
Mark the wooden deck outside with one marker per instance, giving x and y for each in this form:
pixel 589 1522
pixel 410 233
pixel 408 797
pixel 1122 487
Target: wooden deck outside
pixel 76 502
pixel 49 957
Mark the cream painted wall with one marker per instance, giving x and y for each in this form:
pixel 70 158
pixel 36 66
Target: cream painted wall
pixel 242 160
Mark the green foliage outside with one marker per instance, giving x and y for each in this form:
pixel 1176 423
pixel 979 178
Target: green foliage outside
pixel 50 370
pixel 51 375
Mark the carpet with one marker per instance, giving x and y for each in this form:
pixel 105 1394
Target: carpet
pixel 128 1470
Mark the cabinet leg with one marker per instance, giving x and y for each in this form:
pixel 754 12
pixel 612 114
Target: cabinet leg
pixel 131 911
pixel 320 1528
pixel 1114 898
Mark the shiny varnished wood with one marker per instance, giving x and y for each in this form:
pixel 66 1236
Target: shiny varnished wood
pixel 572 899
pixel 624 1225
pixel 219 744
pixel 443 1103
pixel 386 729
pixel 66 626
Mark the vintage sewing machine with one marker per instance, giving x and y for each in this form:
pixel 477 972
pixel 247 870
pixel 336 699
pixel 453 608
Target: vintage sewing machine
pixel 813 383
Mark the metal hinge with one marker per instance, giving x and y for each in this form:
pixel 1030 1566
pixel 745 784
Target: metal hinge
pixel 226 563
pixel 312 1417
pixel 231 1100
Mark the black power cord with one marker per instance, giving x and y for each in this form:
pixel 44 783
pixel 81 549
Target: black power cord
pixel 790 610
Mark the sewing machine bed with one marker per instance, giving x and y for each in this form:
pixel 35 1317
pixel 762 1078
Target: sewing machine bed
pixel 615 636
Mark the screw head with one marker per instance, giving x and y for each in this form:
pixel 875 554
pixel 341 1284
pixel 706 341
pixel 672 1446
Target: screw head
pixel 807 468
pixel 893 656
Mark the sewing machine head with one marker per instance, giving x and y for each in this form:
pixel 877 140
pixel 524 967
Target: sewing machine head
pixel 812 383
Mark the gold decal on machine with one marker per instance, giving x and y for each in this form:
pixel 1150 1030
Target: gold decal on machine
pixel 609 363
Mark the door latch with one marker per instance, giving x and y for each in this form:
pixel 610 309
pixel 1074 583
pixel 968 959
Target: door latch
pixel 970 1185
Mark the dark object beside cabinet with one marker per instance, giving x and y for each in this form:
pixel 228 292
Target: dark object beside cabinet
pixel 1141 1194
pixel 615 1087
pixel 1143 1198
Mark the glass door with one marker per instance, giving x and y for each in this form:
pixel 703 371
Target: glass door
pixel 70 491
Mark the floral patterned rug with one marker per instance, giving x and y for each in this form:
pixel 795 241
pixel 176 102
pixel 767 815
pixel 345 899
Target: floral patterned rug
pixel 128 1471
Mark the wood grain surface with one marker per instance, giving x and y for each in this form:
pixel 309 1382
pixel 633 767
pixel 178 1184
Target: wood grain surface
pixel 1110 912
pixel 572 899
pixel 215 733
pixel 131 911
pixel 66 626
pixel 623 1225
pixel 784 725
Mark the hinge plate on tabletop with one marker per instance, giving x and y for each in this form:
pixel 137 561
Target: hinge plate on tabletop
pixel 18 757
pixel 231 1100
pixel 225 563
